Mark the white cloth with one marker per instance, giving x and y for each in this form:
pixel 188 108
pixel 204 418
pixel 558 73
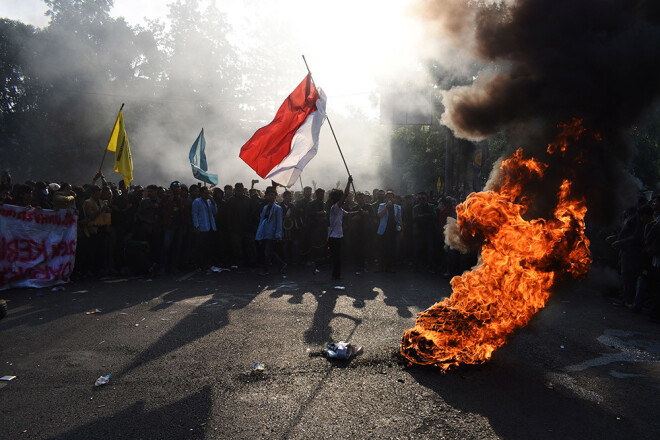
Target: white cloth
pixel 304 146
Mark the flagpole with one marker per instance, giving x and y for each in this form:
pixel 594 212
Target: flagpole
pixel 330 125
pixel 113 130
pixel 301 184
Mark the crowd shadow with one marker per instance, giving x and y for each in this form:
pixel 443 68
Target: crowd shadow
pixel 326 297
pixel 212 313
pixel 320 331
pixel 26 309
pixel 206 318
pixel 38 306
pixel 396 289
pixel 518 402
pixel 184 419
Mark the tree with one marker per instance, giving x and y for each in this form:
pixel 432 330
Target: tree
pixel 18 92
pixel 646 140
pixel 68 78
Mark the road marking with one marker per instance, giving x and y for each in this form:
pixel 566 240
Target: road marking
pixel 631 350
pixel 570 383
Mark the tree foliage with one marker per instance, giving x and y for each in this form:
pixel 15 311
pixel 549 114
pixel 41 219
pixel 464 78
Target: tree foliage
pixel 646 140
pixel 64 83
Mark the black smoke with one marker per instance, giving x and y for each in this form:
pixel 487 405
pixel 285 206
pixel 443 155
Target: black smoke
pixel 548 61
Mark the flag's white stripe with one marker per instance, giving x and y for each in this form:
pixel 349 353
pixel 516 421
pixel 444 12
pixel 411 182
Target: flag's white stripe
pixel 304 145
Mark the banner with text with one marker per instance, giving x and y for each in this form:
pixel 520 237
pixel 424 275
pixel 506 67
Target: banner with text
pixel 37 247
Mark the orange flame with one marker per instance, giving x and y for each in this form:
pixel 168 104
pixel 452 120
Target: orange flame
pixel 569 134
pixel 520 261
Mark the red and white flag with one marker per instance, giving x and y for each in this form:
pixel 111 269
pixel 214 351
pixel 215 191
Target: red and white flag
pixel 280 150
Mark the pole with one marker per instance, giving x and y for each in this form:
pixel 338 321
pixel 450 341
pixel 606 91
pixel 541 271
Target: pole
pixel 302 188
pixel 113 130
pixel 331 129
pixel 446 188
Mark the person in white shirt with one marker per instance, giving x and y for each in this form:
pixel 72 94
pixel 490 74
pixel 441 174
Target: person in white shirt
pixel 335 229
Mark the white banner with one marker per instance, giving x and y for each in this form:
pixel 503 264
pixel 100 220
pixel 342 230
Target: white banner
pixel 37 246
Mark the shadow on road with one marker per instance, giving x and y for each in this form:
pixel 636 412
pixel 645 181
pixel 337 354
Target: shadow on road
pixel 211 315
pixel 320 331
pixel 212 305
pixel 326 298
pixel 36 307
pixel 518 405
pixel 183 419
pixel 210 312
pixel 401 293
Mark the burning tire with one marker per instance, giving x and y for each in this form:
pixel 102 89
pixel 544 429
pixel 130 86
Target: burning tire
pixel 520 261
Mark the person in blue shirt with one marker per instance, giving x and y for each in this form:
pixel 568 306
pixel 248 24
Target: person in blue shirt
pixel 270 231
pixel 203 211
pixel 388 229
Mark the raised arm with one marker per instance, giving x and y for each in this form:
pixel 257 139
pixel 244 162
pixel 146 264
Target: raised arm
pixel 348 185
pixel 103 181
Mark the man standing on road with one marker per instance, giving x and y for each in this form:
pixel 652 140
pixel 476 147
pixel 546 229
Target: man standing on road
pixel 270 230
pixel 388 229
pixel 95 233
pixel 335 228
pixel 360 228
pixel 239 223
pixel 171 209
pixel 149 225
pixel 203 211
pixel 303 230
pixel 289 227
pixel 423 214
pixel 317 220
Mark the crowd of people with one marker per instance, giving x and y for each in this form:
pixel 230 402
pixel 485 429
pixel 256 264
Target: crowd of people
pixel 638 244
pixel 157 230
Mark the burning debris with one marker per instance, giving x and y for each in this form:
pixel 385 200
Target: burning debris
pixel 520 261
pixel 540 62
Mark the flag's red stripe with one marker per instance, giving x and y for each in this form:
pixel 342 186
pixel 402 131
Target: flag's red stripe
pixel 272 143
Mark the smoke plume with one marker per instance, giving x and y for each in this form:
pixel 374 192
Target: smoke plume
pixel 545 62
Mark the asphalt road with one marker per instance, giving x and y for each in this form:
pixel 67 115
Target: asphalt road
pixel 181 355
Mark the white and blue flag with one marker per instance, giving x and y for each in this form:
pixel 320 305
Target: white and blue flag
pixel 198 161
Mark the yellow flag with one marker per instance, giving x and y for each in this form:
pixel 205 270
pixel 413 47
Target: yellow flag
pixel 119 144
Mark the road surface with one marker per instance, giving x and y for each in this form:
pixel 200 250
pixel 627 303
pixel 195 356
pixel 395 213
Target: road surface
pixel 181 354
